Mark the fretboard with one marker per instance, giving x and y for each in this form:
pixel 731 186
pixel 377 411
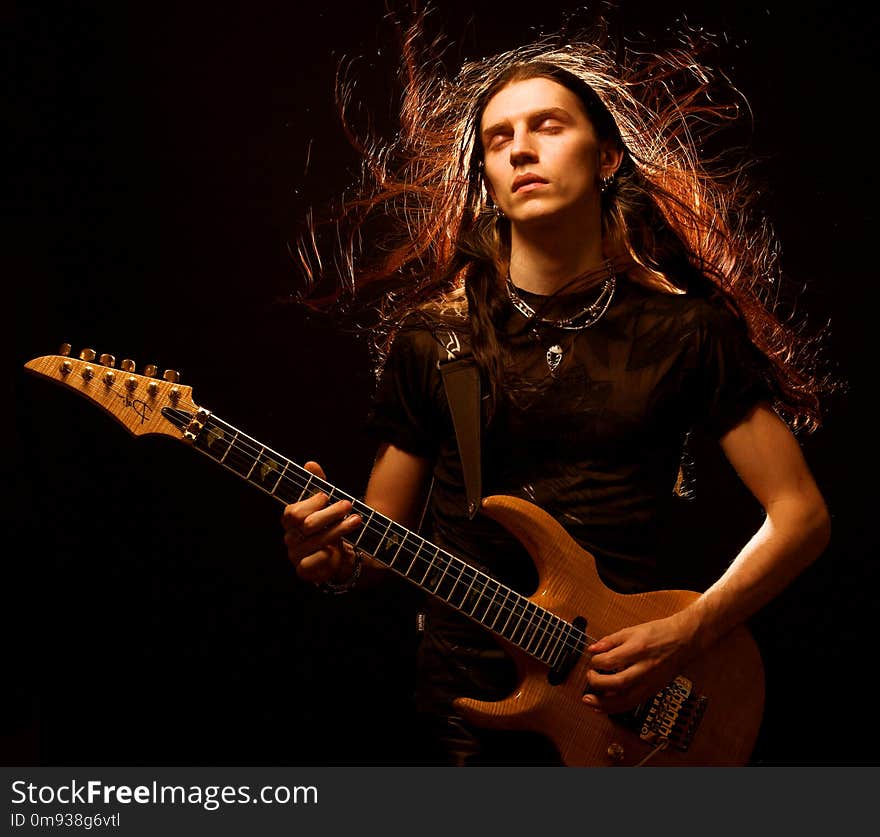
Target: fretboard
pixel 499 608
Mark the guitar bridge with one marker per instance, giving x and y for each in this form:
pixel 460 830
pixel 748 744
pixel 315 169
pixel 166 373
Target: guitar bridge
pixel 671 718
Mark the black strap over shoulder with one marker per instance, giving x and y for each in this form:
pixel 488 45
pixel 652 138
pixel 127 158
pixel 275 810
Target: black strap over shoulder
pixel 461 378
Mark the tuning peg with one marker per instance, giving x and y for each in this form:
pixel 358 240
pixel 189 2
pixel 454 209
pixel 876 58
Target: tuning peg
pixel 107 360
pixel 127 365
pixel 64 351
pixel 87 355
pixel 150 370
pixel 171 375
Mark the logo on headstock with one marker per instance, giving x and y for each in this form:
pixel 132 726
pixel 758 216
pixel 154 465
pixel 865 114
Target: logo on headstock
pixel 140 406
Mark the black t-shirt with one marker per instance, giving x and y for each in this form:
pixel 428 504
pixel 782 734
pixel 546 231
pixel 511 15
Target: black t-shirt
pixel 591 427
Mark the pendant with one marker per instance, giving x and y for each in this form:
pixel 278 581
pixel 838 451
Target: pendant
pixel 554 357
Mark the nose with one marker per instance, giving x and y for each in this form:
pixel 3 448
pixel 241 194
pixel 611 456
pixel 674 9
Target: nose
pixel 522 149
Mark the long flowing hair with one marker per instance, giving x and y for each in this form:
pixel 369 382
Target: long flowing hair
pixel 682 218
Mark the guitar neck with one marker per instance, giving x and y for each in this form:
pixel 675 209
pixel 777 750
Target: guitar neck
pixel 499 608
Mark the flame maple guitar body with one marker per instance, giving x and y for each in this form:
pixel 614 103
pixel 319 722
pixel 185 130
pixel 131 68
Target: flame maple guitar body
pixel 728 681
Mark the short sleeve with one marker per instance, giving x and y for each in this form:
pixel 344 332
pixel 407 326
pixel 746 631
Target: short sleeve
pixel 405 411
pixel 732 373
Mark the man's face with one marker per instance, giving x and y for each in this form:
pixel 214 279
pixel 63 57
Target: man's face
pixel 542 157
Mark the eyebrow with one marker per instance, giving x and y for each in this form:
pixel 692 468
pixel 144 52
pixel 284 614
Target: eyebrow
pixel 544 113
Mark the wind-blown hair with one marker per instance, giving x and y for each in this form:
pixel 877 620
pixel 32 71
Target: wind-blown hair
pixel 677 218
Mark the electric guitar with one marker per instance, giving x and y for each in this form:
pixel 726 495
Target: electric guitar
pixel 708 715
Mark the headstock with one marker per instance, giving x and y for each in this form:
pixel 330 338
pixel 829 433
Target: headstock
pixel 134 400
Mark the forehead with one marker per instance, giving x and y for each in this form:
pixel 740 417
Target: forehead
pixel 520 98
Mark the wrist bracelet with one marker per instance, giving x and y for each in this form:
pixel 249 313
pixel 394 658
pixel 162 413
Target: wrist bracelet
pixel 349 583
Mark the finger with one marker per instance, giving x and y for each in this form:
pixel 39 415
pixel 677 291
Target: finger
pixel 316 566
pixel 295 514
pixel 607 643
pixel 604 683
pixel 300 546
pixel 607 704
pixel 319 520
pixel 595 703
pixel 314 468
pixel 608 662
pixel 329 536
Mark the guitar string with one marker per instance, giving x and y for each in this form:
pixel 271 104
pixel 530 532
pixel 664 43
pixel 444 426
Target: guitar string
pixel 518 609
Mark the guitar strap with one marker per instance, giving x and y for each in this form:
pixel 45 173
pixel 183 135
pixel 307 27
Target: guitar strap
pixel 461 379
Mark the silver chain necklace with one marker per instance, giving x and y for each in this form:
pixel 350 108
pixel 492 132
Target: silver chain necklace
pixel 587 316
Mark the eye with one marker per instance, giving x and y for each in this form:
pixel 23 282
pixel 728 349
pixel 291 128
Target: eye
pixel 498 141
pixel 550 126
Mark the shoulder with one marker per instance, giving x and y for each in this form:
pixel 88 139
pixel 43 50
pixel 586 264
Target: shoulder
pixel 430 333
pixel 694 315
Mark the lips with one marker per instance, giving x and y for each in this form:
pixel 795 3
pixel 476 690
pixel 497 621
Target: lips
pixel 526 180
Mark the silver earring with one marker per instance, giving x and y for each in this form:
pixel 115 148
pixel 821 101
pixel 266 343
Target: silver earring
pixel 607 183
pixel 494 209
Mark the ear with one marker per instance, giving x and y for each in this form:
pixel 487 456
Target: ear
pixel 488 187
pixel 610 158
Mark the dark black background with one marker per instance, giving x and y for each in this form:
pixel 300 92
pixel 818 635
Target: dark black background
pixel 158 173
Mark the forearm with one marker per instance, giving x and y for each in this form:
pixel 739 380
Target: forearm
pixel 793 535
pixel 397 489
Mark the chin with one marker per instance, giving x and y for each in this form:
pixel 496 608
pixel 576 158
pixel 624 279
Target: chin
pixel 535 215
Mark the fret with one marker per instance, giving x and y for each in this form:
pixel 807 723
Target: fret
pixel 483 619
pixel 280 477
pixel 268 467
pixel 433 583
pixel 509 615
pixel 415 558
pixel 460 605
pixel 371 535
pixel 543 626
pixel 222 458
pixel 528 629
pixel 523 627
pixel 501 605
pixel 391 543
pixel 547 636
pixel 391 562
pixel 248 475
pixel 375 550
pixel 209 437
pixel 422 582
pixel 477 597
pixel 414 548
pixel 558 638
pixel 516 614
pixel 366 525
pixel 306 487
pixel 242 460
pixel 537 630
pixel 562 646
pixel 452 581
pixel 361 508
